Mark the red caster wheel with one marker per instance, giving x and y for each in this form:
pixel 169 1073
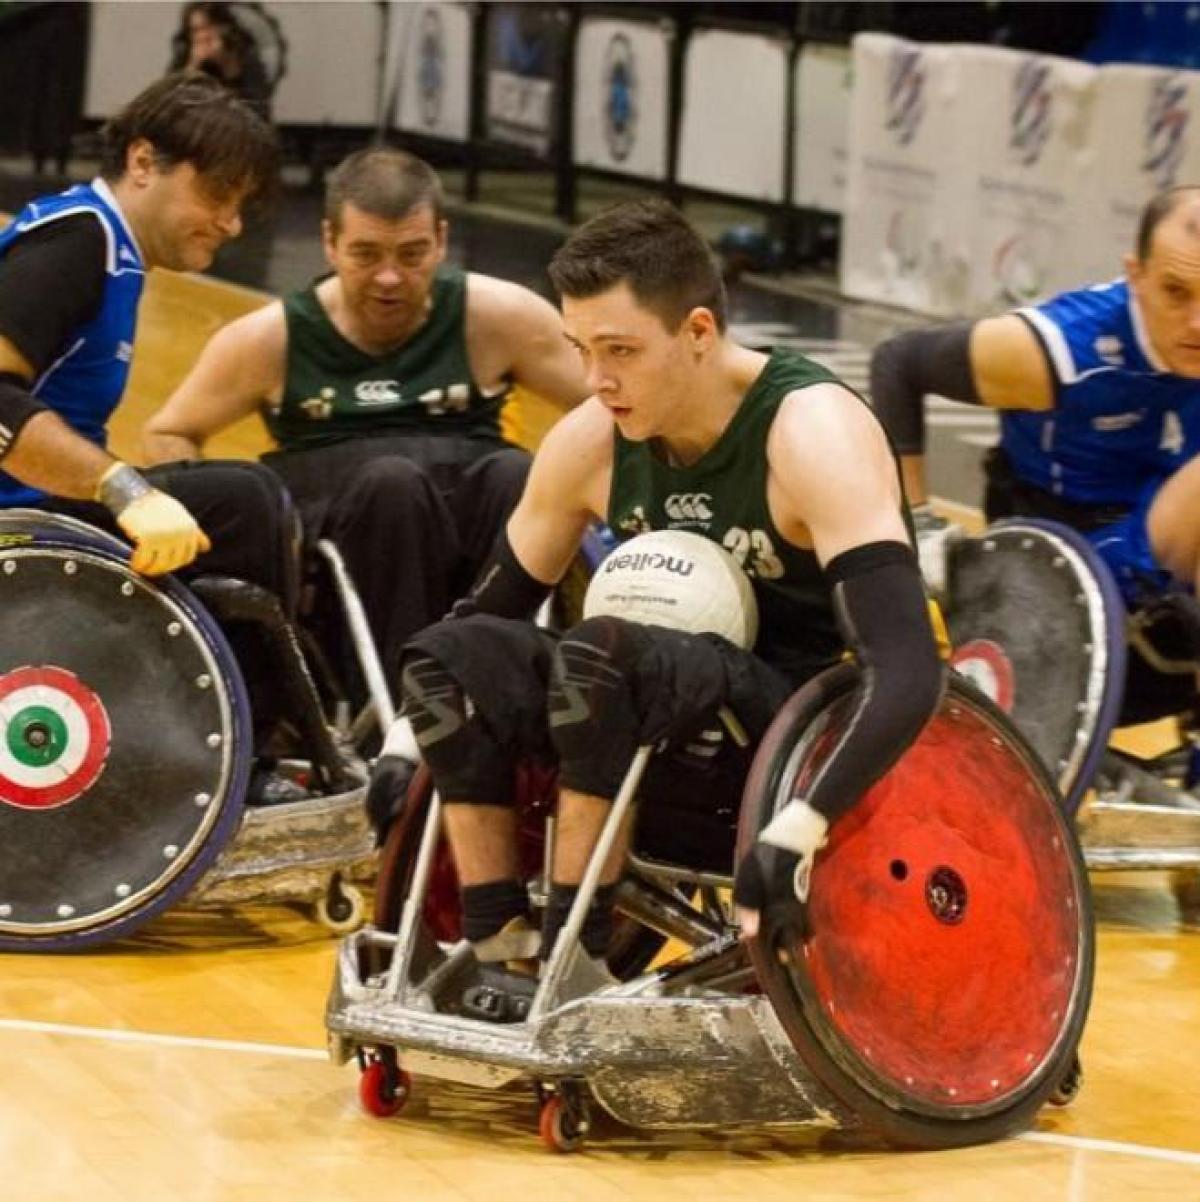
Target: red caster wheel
pixel 383 1089
pixel 563 1125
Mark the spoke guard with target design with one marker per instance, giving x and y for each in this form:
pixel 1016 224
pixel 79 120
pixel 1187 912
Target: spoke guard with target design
pixel 124 738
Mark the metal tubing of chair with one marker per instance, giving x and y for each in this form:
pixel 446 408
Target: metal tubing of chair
pixel 398 971
pixel 564 945
pixel 360 632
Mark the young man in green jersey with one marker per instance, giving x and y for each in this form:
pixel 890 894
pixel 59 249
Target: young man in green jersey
pixel 799 484
pixel 382 382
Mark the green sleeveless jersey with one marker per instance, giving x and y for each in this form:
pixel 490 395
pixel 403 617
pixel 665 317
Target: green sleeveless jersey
pixel 334 391
pixel 723 496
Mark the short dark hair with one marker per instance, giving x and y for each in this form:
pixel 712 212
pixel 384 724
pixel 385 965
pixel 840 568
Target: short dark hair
pixel 385 182
pixel 189 117
pixel 1156 211
pixel 649 245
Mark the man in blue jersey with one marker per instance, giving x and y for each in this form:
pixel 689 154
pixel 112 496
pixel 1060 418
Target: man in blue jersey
pixel 1099 392
pixel 180 161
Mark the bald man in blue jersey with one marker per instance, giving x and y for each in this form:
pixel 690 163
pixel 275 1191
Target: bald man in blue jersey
pixel 1099 398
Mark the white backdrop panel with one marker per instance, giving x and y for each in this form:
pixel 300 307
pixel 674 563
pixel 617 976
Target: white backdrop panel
pixel 130 48
pixel 734 114
pixel 1031 145
pixel 904 240
pixel 1150 118
pixel 333 62
pixel 429 69
pixel 621 96
pixel 822 119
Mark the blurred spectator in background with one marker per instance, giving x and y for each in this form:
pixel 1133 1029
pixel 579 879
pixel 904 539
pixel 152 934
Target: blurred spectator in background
pixel 211 39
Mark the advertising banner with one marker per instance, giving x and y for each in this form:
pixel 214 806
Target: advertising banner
pixel 525 48
pixel 904 237
pixel 735 114
pixel 823 75
pixel 1147 140
pixel 429 70
pixel 1029 154
pixel 622 71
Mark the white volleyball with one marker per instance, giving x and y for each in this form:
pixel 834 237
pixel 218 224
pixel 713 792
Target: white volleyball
pixel 677 579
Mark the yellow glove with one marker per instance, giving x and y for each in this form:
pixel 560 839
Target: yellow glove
pixel 165 536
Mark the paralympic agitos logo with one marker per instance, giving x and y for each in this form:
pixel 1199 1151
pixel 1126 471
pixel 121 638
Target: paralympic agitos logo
pixel 906 79
pixel 1031 115
pixel 1165 128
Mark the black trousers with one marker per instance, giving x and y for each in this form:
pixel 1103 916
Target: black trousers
pixel 243 509
pixel 250 521
pixel 414 516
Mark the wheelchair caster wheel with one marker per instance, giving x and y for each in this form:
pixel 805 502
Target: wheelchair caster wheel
pixel 384 1087
pixel 1066 1090
pixel 343 908
pixel 1185 885
pixel 563 1125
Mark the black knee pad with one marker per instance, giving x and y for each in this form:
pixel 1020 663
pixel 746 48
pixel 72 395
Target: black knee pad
pixel 593 719
pixel 464 757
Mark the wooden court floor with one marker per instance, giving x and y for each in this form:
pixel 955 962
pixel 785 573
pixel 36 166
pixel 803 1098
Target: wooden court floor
pixel 187 1063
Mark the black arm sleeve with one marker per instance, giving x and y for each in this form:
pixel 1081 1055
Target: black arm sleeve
pixel 504 588
pixel 884 615
pixel 904 369
pixel 51 283
pixel 17 406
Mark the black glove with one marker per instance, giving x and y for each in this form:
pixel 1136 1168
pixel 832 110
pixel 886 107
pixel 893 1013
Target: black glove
pixel 778 869
pixel 386 792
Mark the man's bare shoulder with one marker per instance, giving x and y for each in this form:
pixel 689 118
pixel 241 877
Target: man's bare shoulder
pixel 822 416
pixel 494 301
pixel 262 332
pixel 584 436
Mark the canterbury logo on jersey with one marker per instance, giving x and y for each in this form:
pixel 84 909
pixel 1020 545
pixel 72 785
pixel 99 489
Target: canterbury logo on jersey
pixel 378 392
pixel 689 507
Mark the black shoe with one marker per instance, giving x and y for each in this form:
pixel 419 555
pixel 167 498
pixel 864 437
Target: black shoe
pixel 268 788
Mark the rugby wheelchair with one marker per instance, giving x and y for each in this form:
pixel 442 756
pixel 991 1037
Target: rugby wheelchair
pixel 1038 623
pixel 127 751
pixel 931 993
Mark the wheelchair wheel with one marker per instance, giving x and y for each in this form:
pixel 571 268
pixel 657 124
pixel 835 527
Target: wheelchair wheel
pixel 126 748
pixel 939 978
pixel 1067 711
pixel 633 946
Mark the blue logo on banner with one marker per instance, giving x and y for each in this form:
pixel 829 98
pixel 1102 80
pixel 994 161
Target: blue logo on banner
pixel 431 75
pixel 620 99
pixel 905 93
pixel 1166 125
pixel 1032 109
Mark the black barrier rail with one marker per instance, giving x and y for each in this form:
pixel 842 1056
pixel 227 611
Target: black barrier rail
pixel 523 92
pixel 43 64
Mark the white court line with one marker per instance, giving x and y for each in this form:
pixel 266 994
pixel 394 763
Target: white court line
pixel 1079 1142
pixel 1146 1151
pixel 115 1035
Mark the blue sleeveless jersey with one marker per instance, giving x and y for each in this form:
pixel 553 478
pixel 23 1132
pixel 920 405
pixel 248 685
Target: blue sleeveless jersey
pixel 86 380
pixel 1120 421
